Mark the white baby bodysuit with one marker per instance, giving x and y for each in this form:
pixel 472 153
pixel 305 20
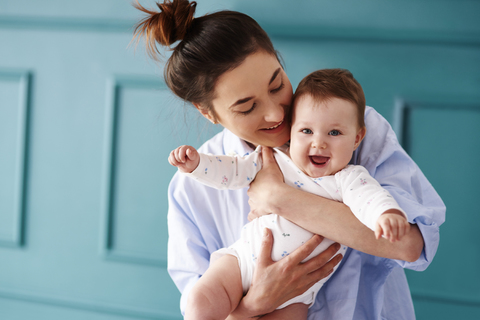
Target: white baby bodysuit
pixel 353 185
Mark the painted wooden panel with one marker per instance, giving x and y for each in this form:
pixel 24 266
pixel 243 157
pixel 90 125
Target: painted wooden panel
pixel 444 137
pixel 14 116
pixel 143 126
pixel 63 263
pixel 86 126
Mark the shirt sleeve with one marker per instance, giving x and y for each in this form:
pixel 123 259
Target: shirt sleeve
pixel 384 158
pixel 227 172
pixel 188 255
pixel 364 195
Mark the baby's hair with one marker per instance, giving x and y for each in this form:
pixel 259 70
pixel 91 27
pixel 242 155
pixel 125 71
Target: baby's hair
pixel 333 83
pixel 208 46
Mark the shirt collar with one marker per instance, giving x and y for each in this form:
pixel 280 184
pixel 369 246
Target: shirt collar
pixel 234 145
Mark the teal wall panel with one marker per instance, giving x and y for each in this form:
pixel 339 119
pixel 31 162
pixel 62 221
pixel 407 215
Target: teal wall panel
pixel 14 116
pixel 86 126
pixel 444 137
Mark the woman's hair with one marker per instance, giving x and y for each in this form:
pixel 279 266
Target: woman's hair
pixel 208 46
pixel 333 83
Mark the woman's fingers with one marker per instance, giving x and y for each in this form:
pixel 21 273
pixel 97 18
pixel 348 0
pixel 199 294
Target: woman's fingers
pixel 323 259
pixel 265 255
pixel 324 270
pixel 302 252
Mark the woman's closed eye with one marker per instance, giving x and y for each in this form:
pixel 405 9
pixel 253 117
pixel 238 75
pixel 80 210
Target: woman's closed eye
pixel 249 110
pixel 277 89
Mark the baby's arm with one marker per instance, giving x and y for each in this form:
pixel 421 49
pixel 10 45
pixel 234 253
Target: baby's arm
pixel 372 204
pixel 217 171
pixel 392 225
pixel 185 158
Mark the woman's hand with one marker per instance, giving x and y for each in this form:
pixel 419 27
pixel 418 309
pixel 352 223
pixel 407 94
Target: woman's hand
pixel 274 283
pixel 263 189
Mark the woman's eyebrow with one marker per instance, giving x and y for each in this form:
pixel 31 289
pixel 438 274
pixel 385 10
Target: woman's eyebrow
pixel 241 101
pixel 275 74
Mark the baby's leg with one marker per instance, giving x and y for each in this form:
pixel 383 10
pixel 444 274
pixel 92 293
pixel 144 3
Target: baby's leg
pixel 294 311
pixel 218 291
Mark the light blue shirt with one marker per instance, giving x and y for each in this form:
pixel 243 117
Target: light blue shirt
pixel 202 220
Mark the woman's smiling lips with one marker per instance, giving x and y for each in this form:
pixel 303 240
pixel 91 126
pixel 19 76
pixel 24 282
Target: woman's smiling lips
pixel 276 128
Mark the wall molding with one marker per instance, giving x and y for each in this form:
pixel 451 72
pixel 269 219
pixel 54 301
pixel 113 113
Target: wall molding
pixel 446 298
pixel 378 35
pixel 107 247
pixel 87 305
pixel 24 80
pixel 66 24
pixel 403 106
pixel 291 32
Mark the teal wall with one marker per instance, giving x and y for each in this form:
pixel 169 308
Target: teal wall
pixel 86 125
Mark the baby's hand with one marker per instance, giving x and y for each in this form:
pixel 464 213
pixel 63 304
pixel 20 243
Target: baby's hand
pixel 392 225
pixel 185 158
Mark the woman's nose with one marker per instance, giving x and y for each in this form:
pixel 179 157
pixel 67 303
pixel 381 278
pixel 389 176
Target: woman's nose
pixel 274 112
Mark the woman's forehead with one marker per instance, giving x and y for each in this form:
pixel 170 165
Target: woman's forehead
pixel 255 74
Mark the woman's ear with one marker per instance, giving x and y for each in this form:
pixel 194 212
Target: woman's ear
pixel 360 135
pixel 206 113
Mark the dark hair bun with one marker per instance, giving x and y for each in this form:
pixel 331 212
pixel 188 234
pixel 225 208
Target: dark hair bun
pixel 166 26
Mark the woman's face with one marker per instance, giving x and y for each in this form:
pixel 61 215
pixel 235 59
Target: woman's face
pixel 253 99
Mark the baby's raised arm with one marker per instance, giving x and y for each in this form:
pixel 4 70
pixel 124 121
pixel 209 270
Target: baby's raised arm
pixel 185 158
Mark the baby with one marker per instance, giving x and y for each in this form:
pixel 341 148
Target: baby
pixel 327 125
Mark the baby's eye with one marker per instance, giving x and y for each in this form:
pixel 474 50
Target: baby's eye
pixel 334 133
pixel 307 131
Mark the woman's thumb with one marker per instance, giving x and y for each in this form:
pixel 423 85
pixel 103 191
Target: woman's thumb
pixel 265 255
pixel 267 156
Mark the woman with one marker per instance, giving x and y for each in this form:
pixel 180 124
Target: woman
pixel 226 65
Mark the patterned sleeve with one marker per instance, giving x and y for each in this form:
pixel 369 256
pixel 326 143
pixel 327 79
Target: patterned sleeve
pixel 227 172
pixel 364 195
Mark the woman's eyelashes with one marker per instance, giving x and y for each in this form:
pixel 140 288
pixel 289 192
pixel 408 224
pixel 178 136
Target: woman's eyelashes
pixel 249 110
pixel 280 87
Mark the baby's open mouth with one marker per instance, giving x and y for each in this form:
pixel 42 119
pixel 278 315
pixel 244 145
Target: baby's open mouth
pixel 319 160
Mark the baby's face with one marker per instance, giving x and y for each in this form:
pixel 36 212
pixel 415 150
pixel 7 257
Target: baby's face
pixel 324 135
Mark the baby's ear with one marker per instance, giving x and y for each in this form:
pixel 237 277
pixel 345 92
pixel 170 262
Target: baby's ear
pixel 360 135
pixel 206 113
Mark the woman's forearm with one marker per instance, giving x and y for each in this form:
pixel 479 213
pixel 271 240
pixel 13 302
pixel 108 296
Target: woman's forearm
pixel 335 221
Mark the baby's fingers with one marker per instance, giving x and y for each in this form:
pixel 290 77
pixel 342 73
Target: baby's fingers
pixel 378 231
pixel 393 230
pixel 192 154
pixel 172 158
pixel 181 154
pixel 403 230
